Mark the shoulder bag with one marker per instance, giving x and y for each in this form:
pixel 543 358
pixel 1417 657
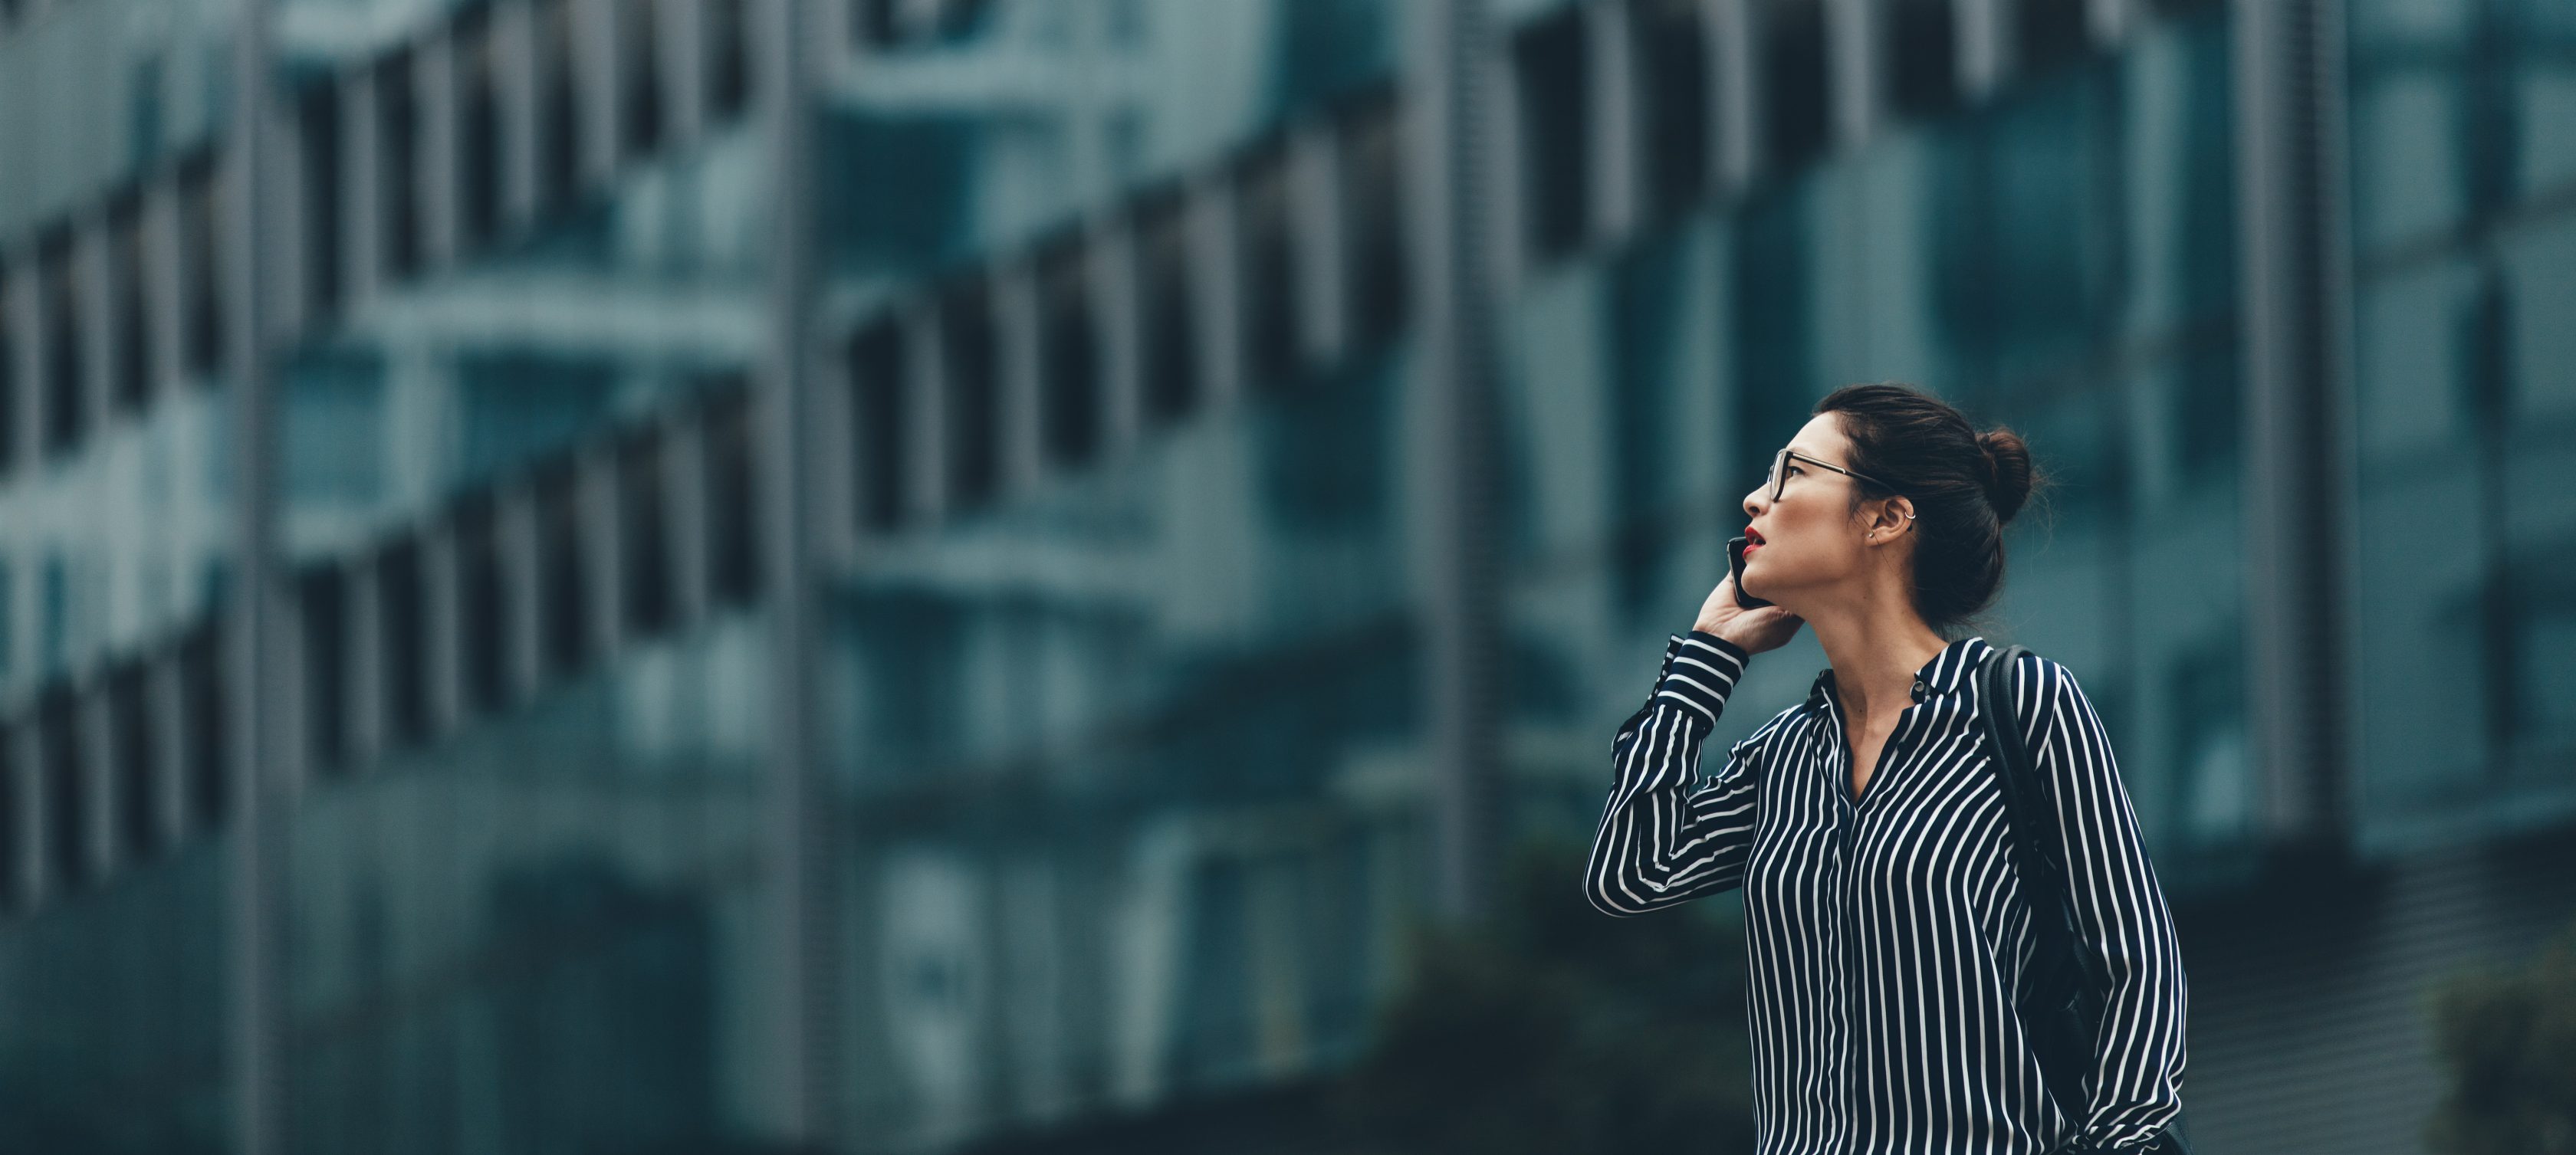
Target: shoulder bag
pixel 2061 1003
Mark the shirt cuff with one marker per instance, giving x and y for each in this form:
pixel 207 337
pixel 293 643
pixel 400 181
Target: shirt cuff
pixel 1700 669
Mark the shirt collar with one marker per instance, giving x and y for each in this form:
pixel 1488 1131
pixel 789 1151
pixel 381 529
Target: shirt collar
pixel 1941 675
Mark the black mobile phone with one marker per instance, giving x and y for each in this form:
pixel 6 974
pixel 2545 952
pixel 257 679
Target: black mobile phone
pixel 1735 565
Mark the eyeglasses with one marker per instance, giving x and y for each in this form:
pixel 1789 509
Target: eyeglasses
pixel 1778 479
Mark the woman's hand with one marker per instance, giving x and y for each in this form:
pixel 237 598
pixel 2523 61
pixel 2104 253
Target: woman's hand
pixel 1767 628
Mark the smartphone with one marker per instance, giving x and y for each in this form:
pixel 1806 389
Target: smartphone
pixel 1735 565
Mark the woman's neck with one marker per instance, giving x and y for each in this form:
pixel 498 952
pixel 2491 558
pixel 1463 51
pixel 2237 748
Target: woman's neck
pixel 1875 647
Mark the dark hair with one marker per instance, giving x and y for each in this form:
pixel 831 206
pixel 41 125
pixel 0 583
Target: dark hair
pixel 1965 485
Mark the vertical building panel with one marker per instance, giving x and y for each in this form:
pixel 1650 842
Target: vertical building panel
pixel 434 83
pixel 683 47
pixel 173 755
pixel 515 88
pixel 1215 276
pixel 1615 160
pixel 1015 336
pixel 1736 113
pixel 93 715
pixel 162 284
pixel 684 466
pixel 442 626
pixel 1122 353
pixel 925 408
pixel 598 59
pixel 1857 60
pixel 514 514
pixel 1319 241
pixel 27 340
pixel 604 566
pixel 27 766
pixel 362 230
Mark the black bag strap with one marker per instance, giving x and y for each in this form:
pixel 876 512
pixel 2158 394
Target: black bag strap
pixel 2063 970
pixel 2060 970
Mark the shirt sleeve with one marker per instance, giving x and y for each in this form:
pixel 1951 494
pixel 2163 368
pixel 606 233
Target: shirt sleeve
pixel 2121 917
pixel 1664 839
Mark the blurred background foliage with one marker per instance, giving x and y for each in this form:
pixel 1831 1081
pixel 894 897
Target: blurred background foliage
pixel 2507 1042
pixel 1552 1028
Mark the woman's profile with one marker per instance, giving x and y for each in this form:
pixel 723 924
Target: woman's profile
pixel 1886 931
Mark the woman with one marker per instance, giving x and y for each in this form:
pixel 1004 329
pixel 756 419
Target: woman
pixel 1885 929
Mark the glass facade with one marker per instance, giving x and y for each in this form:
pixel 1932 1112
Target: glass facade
pixel 2461 160
pixel 2056 261
pixel 1126 508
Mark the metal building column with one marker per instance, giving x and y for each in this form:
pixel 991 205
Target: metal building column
pixel 1450 145
pixel 801 825
pixel 260 1108
pixel 1735 120
pixel 2299 497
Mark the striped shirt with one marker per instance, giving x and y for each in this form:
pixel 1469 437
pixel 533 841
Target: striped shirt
pixel 1886 937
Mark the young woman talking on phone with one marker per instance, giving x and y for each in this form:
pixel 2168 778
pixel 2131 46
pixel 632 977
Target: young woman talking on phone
pixel 1888 934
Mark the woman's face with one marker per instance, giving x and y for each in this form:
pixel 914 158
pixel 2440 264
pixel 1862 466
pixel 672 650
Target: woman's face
pixel 1809 540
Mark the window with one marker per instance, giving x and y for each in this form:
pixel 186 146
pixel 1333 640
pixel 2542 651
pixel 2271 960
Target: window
pixel 402 650
pixel 1268 275
pixel 1170 332
pixel 732 512
pixel 397 164
pixel 1069 356
pixel 67 799
pixel 877 374
pixel 639 45
pixel 1671 50
pixel 317 116
pixel 482 605
pixel 11 881
pixel 1372 169
pixel 322 602
pixel 2049 33
pixel 201 220
pixel 872 23
pixel 558 109
pixel 133 343
pixel 8 372
pixel 561 572
pixel 967 358
pixel 138 784
pixel 66 385
pixel 644 534
pixel 878 25
pixel 2211 769
pixel 1555 106
pixel 1794 87
pixel 1923 57
pixel 728 41
pixel 478 144
pixel 202 699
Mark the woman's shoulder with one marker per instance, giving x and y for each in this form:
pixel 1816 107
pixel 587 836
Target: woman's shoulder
pixel 2035 676
pixel 1781 722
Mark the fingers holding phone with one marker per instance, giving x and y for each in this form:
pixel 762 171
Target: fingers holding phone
pixel 1741 618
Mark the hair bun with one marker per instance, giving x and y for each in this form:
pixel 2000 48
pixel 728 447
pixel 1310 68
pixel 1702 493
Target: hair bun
pixel 2007 463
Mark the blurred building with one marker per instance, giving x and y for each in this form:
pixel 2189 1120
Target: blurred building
pixel 1248 457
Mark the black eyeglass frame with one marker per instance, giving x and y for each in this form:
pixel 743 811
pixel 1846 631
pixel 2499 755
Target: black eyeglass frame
pixel 1779 477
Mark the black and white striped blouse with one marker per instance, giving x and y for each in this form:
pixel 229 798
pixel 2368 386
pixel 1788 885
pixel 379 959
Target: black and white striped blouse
pixel 1886 936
